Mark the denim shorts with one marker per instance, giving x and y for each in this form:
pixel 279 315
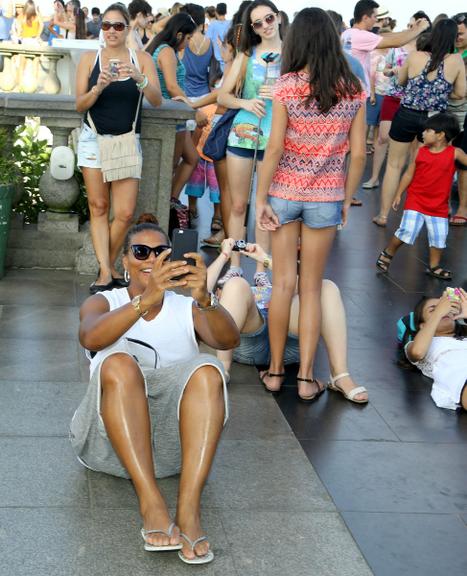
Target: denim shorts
pixel 88 148
pixel 254 348
pixel 313 214
pixel 248 153
pixel 373 111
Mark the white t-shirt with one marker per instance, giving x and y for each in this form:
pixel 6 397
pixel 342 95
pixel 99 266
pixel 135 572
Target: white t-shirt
pixel 166 340
pixel 360 43
pixel 446 363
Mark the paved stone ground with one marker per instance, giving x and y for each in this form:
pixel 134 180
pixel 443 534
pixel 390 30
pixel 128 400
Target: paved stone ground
pixel 265 509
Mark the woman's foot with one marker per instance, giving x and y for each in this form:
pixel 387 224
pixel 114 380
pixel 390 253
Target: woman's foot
pixel 346 386
pixel 272 381
pixel 190 525
pixel 309 389
pixel 380 220
pixel 156 517
pixel 369 184
pixel 104 281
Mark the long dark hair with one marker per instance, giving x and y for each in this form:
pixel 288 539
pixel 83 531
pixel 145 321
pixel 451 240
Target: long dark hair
pixel 233 34
pixel 180 23
pixel 443 41
pixel 248 37
pixel 313 44
pixel 460 331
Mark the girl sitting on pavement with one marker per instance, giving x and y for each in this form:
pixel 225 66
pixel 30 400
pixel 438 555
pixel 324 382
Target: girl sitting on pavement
pixel 428 181
pixel 248 305
pixel 439 348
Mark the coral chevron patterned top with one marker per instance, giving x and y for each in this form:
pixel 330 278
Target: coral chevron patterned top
pixel 312 166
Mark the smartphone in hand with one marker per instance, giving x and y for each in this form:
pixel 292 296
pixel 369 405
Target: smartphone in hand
pixel 184 241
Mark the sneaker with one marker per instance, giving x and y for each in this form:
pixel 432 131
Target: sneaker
pixel 232 272
pixel 261 280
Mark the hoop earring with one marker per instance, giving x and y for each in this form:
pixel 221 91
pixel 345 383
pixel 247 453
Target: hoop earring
pixel 126 275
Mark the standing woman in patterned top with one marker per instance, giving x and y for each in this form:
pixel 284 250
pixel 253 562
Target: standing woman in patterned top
pixel 303 191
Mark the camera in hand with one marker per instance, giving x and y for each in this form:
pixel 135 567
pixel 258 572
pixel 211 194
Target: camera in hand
pixel 239 245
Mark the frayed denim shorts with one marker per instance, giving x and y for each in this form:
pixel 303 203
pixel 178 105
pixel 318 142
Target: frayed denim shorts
pixel 88 148
pixel 312 214
pixel 254 347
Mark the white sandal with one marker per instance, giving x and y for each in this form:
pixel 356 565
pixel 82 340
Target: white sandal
pixel 152 547
pixel 208 557
pixel 351 395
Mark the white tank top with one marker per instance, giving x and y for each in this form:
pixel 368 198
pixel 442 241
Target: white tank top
pixel 167 339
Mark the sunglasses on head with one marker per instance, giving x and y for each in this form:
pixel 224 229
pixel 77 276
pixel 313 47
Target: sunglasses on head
pixel 267 20
pixel 117 26
pixel 142 252
pixel 460 18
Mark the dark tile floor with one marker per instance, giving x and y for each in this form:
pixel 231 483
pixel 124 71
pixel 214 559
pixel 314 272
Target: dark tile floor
pixel 397 468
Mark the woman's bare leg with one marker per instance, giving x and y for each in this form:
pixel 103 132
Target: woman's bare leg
pixel 315 247
pixel 225 206
pixel 126 417
pixel 284 279
pixel 124 194
pixel 237 298
pixel 397 157
pixel 381 148
pixel 183 169
pixel 201 422
pixel 99 204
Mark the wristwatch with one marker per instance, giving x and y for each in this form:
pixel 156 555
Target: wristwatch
pixel 136 303
pixel 214 303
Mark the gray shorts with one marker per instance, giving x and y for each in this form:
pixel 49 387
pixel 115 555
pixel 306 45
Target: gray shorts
pixel 88 148
pixel 313 214
pixel 254 348
pixel 164 389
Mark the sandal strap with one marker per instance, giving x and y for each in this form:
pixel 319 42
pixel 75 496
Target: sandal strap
pixel 356 391
pixel 275 375
pixel 313 380
pixel 167 532
pixel 193 543
pixel 338 377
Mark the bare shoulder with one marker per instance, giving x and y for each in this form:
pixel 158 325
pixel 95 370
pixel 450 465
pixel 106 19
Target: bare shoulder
pixel 96 304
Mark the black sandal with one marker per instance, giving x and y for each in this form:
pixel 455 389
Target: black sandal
pixel 439 272
pixel 282 375
pixel 316 395
pixel 383 265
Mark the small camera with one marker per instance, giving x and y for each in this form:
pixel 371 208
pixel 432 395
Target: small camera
pixel 239 245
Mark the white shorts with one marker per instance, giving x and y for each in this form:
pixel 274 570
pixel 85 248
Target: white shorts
pixel 88 148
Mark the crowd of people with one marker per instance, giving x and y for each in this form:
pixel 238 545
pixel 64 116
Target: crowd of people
pixel 290 112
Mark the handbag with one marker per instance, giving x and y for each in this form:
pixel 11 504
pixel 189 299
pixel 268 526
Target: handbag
pixel 120 155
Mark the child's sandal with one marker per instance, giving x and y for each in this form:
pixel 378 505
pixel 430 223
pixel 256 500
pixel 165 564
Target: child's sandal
pixel 439 272
pixel 383 265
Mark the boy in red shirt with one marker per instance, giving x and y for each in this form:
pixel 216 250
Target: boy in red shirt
pixel 428 182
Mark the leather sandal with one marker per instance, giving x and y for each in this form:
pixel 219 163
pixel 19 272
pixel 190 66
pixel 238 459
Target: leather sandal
pixel 281 375
pixel 316 395
pixel 383 265
pixel 439 272
pixel 348 395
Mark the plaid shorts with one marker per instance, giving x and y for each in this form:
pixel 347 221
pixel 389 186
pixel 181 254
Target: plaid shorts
pixel 412 223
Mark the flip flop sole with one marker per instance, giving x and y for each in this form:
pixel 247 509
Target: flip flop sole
pixel 209 557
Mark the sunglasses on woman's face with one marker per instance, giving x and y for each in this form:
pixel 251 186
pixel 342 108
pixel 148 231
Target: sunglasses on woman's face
pixel 117 26
pixel 142 252
pixel 267 20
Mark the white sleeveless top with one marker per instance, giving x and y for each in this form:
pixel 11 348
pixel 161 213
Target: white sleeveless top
pixel 166 340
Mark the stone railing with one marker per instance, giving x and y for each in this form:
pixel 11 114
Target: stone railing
pixel 58 113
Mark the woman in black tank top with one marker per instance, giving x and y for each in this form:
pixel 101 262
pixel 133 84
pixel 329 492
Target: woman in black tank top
pixel 110 96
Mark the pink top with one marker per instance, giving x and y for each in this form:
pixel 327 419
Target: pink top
pixel 312 166
pixel 362 43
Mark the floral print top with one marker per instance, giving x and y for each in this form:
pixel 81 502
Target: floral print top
pixel 427 95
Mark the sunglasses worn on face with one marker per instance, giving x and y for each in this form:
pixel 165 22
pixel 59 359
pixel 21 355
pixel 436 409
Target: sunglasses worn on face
pixel 142 252
pixel 267 20
pixel 117 26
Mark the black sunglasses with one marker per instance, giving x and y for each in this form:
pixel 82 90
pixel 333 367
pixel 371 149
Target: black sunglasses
pixel 117 26
pixel 142 252
pixel 460 18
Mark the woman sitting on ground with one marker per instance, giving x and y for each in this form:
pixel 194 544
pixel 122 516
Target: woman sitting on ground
pixel 248 306
pixel 439 348
pixel 155 406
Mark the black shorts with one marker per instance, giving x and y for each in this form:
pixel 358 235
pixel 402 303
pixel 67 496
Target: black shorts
pixel 461 142
pixel 408 124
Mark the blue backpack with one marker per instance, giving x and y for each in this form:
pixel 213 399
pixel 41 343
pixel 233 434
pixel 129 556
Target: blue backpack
pixel 405 329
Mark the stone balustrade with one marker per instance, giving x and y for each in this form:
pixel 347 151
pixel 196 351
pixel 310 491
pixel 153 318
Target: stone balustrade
pixel 58 113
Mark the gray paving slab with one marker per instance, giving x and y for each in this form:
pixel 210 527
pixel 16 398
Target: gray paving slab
pixel 39 360
pixel 39 322
pixel 73 542
pixel 40 287
pixel 266 475
pixel 299 543
pixel 397 543
pixel 41 472
pixel 38 408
